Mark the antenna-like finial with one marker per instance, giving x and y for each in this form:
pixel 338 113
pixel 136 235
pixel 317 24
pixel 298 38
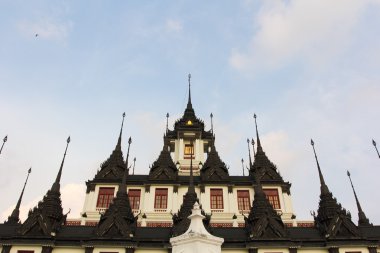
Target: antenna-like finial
pixel 363 220
pixel 134 164
pixel 118 145
pixel 253 147
pixel 14 218
pixel 324 188
pixel 4 141
pixel 56 185
pixel 257 134
pixel 212 126
pixel 249 154
pixel 167 122
pixel 374 144
pixel 189 99
pixel 122 187
pixel 242 165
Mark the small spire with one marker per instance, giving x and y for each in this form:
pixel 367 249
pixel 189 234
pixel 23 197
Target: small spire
pixel 134 164
pixel 191 179
pixel 14 218
pixel 242 166
pixel 167 122
pixel 212 126
pixel 374 144
pixel 123 185
pixel 249 154
pixel 363 220
pixel 118 145
pixel 253 147
pixel 56 184
pixel 4 141
pixel 259 148
pixel 324 188
pixel 189 98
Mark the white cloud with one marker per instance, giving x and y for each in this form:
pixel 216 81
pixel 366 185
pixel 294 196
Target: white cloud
pixel 313 31
pixel 46 29
pixel 173 25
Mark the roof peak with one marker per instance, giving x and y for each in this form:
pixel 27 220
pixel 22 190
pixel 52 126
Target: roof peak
pixel 324 188
pixel 118 145
pixel 56 186
pixel 363 220
pixel 14 218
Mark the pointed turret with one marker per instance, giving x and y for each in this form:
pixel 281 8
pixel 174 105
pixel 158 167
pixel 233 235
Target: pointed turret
pixel 214 169
pixel 14 218
pixel 180 220
pixel 263 221
pixel 189 121
pixel 266 169
pixel 332 220
pixel 118 220
pixel 47 218
pixel 164 168
pixel 114 166
pixel 363 220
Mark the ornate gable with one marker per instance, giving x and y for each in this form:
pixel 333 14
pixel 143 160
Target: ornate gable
pixel 214 168
pixel 164 168
pixel 263 221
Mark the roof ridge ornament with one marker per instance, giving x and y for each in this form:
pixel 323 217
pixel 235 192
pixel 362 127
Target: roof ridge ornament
pixel 14 217
pixel 212 125
pixel 363 220
pixel 249 153
pixel 4 141
pixel 257 135
pixel 56 186
pixel 373 143
pixel 324 188
pixel 167 122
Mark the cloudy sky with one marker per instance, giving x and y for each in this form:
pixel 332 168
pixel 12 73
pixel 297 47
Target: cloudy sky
pixel 308 69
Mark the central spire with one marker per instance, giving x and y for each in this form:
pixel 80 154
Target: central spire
pixel 118 145
pixel 123 184
pixel 189 97
pixel 259 148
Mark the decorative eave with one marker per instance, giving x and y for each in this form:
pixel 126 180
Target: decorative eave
pixel 164 168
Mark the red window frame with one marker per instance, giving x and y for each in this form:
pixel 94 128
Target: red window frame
pixel 161 198
pixel 105 197
pixel 273 197
pixel 243 200
pixel 134 198
pixel 216 198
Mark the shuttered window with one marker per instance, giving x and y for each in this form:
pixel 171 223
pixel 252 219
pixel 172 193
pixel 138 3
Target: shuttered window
pixel 105 197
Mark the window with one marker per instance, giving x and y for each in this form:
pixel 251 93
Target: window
pixel 189 150
pixel 272 196
pixel 25 251
pixel 161 198
pixel 243 200
pixel 134 198
pixel 105 197
pixel 216 197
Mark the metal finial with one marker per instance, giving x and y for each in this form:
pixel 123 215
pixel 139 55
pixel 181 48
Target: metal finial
pixel 257 133
pixel 374 144
pixel 56 185
pixel 253 147
pixel 189 99
pixel 324 188
pixel 242 165
pixel 4 141
pixel 212 126
pixel 134 164
pixel 167 122
pixel 249 154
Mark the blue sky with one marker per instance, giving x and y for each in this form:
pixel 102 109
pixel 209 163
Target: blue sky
pixel 308 69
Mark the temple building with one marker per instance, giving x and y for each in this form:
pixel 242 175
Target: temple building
pixel 188 203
